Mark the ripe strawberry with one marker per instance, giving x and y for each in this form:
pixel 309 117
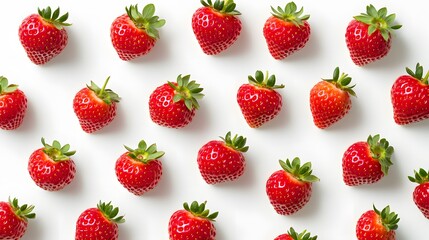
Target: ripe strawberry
pixel 286 31
pixel 410 97
pixel 292 235
pixel 51 167
pixel 376 225
pixel 139 170
pixel 258 100
pixel 13 105
pixel 134 34
pixel 194 222
pixel 330 99
pixel 99 223
pixel 222 161
pixel 216 26
pixel 43 35
pixel 173 105
pixel 94 107
pixel 367 162
pixel 420 195
pixel 290 189
pixel 14 219
pixel 368 35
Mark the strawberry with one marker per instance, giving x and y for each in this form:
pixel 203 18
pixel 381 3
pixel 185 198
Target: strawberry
pixel 286 31
pixel 258 100
pixel 367 162
pixel 410 97
pixel 13 105
pixel 139 170
pixel 420 195
pixel 293 235
pixel 368 35
pixel 51 167
pixel 99 223
pixel 216 26
pixel 43 35
pixel 290 189
pixel 222 161
pixel 376 225
pixel 173 105
pixel 14 219
pixel 330 99
pixel 94 107
pixel 193 222
pixel 134 34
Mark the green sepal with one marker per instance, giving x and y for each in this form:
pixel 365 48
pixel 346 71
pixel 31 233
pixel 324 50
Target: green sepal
pixel 237 143
pixel 420 177
pixel 54 17
pixel 267 81
pixel 188 91
pixel 224 7
pixel 418 74
pixel 199 210
pixel 342 81
pixel 5 88
pixel 302 173
pixel 389 219
pixel 146 19
pixel 300 236
pixel 381 151
pixel 290 14
pixel 110 212
pixel 57 152
pixel 24 212
pixel 143 153
pixel 106 95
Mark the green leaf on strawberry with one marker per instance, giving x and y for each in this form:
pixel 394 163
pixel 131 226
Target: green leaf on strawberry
pixel 107 95
pixel 237 142
pixel 302 173
pixel 146 20
pixel 24 212
pixel 188 91
pixel 5 87
pixel 54 18
pixel 342 82
pixel 418 74
pixel 267 81
pixel 420 177
pixel 300 236
pixel 381 151
pixel 143 153
pixel 199 210
pixel 110 212
pixel 57 152
pixel 225 7
pixel 389 219
pixel 290 14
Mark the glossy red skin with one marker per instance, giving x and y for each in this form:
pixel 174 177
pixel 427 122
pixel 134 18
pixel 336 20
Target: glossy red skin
pixel 164 112
pixel 284 237
pixel 219 163
pixel 258 105
pixel 328 104
pixel 359 167
pixel 138 177
pixel 13 107
pixel 92 112
pixel 11 226
pixel 41 40
pixel 421 198
pixel 287 194
pixel 365 48
pixel 214 31
pixel 129 41
pixel 185 226
pixel 410 100
pixel 369 227
pixel 284 38
pixel 91 224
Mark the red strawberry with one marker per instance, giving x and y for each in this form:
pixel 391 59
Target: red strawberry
pixel 368 35
pixel 222 161
pixel 94 107
pixel 173 105
pixel 330 99
pixel 13 105
pixel 292 235
pixel 14 219
pixel 50 167
pixel 216 26
pixel 420 195
pixel 134 34
pixel 367 162
pixel 376 225
pixel 194 222
pixel 43 35
pixel 99 223
pixel 290 189
pixel 139 170
pixel 410 97
pixel 258 100
pixel 286 31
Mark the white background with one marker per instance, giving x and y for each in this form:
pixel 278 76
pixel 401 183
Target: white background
pixel 245 212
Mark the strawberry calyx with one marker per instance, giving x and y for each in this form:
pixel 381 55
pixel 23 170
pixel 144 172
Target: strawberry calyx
pixel 24 212
pixel 342 81
pixel 378 20
pixel 198 210
pixel 224 7
pixel 56 152
pixel 5 88
pixel 54 17
pixel 146 19
pixel 300 236
pixel 188 91
pixel 266 81
pixel 237 143
pixel 381 151
pixel 302 173
pixel 110 212
pixel 290 14
pixel 144 153
pixel 388 219
pixel 106 95
pixel 418 74
pixel 420 177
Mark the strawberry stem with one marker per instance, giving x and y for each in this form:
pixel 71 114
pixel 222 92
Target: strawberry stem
pixel 104 86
